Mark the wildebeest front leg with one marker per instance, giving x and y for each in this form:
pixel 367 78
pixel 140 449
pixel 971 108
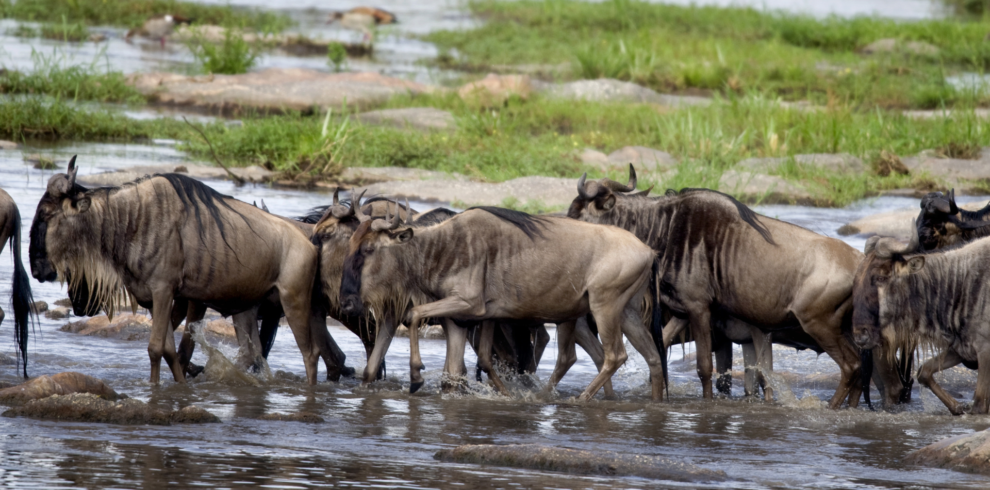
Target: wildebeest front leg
pixel 701 330
pixel 926 376
pixel 764 360
pixel 415 362
pixel 981 398
pixel 248 339
pixel 642 340
pixel 194 311
pixel 454 370
pixel 566 355
pixel 590 343
pixel 161 322
pixel 451 306
pixel 485 355
pixel 383 338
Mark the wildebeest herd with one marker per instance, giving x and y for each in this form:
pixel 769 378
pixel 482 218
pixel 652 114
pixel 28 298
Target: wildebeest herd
pixel 690 265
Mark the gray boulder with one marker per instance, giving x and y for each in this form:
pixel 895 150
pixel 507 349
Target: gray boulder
pixel 956 172
pixel 610 90
pixel 57 384
pixel 8 145
pixel 418 118
pixel 552 192
pixel 58 313
pixel 839 162
pixel 87 407
pixel 274 90
pixel 606 463
pixel 969 453
pixel 768 189
pixel 642 158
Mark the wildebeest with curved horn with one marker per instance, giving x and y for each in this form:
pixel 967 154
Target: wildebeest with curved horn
pixel 942 223
pixel 10 230
pixel 167 237
pixel 716 254
pixel 936 298
pixel 492 263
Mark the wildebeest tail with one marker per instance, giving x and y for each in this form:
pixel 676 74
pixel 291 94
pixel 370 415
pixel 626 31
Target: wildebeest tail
pixel 865 373
pixel 22 299
pixel 656 320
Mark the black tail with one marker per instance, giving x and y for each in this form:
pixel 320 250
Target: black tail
pixel 23 300
pixel 656 322
pixel 865 373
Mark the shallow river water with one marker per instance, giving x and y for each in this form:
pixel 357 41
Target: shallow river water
pixel 383 436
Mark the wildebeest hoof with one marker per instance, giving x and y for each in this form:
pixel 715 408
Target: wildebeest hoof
pixel 194 370
pixel 414 387
pixel 724 384
pixel 347 371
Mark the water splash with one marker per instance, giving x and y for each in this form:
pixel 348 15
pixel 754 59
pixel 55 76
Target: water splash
pixel 219 368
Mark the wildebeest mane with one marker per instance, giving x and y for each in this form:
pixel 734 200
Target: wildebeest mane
pixel 434 216
pixel 747 214
pixel 192 192
pixel 527 223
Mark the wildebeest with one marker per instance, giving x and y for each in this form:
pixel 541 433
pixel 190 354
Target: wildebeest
pixel 493 263
pixel 10 230
pixel 167 237
pixel 942 223
pixel 717 255
pixel 939 299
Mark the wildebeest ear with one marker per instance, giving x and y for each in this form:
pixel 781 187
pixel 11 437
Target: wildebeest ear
pixel 915 264
pixel 608 203
pixel 942 206
pixel 403 236
pixel 871 244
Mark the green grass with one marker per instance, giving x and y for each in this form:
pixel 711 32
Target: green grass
pixel 231 57
pixel 65 31
pixel 712 49
pixel 133 13
pixel 76 82
pixel 51 119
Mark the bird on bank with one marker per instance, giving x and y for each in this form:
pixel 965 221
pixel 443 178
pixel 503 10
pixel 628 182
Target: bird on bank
pixel 361 18
pixel 158 27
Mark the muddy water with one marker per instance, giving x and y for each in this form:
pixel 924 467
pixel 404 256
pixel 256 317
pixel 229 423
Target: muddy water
pixel 382 436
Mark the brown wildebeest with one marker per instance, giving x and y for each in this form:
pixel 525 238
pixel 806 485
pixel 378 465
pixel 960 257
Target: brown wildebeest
pixel 168 237
pixel 716 254
pixel 10 230
pixel 937 299
pixel 492 263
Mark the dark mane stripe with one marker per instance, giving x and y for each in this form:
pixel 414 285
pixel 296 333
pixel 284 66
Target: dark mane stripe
pixel 527 223
pixel 434 216
pixel 747 214
pixel 192 192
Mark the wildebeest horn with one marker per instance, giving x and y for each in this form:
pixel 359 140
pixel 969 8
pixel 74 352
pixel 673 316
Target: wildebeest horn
pixel 263 207
pixel 59 184
pixel 389 223
pixel 886 247
pixel 336 196
pixel 617 187
pixel 583 188
pixel 643 193
pixel 409 218
pixel 871 244
pixel 942 206
pixel 355 209
pixel 952 201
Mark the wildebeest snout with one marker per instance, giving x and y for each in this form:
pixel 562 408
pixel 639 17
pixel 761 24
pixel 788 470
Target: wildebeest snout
pixel 351 304
pixel 865 337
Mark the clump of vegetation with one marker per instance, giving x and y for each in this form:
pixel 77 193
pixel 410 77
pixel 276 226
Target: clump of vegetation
pixel 76 82
pixel 336 56
pixel 65 31
pixel 715 49
pixel 133 13
pixel 52 119
pixel 233 56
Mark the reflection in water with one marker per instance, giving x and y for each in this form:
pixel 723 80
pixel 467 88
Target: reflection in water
pixel 381 435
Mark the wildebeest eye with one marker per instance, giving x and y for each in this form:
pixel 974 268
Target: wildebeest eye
pixel 367 248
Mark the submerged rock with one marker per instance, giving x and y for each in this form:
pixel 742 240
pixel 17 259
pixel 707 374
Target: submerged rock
pixel 40 307
pixel 126 326
pixel 969 453
pixel 56 384
pixel 305 417
pixel 87 407
pixel 546 458
pixel 274 90
pixel 58 313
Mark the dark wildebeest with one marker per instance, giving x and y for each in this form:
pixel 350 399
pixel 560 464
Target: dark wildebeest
pixel 492 263
pixel 942 223
pixel 167 237
pixel 939 299
pixel 10 230
pixel 717 255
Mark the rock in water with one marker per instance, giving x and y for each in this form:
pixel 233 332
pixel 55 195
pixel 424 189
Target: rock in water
pixel 87 407
pixel 969 453
pixel 56 384
pixel 306 417
pixel 546 458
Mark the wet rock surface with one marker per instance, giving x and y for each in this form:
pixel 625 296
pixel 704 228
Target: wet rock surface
pixel 87 407
pixel 418 118
pixel 57 384
pixel 969 453
pixel 546 458
pixel 304 417
pixel 549 191
pixel 962 174
pixel 274 90
pixel 837 162
pixel 58 313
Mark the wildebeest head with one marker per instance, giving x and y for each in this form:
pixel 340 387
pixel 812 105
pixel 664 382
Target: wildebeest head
pixel 883 264
pixel 364 258
pixel 64 246
pixel 598 198
pixel 935 223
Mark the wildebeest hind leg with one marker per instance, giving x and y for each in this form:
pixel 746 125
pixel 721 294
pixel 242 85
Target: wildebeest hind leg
pixel 383 338
pixel 454 370
pixel 842 352
pixel 641 339
pixel 295 303
pixel 701 330
pixel 610 331
pixel 590 343
pixel 195 311
pixel 926 376
pixel 981 398
pixel 764 360
pixel 566 356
